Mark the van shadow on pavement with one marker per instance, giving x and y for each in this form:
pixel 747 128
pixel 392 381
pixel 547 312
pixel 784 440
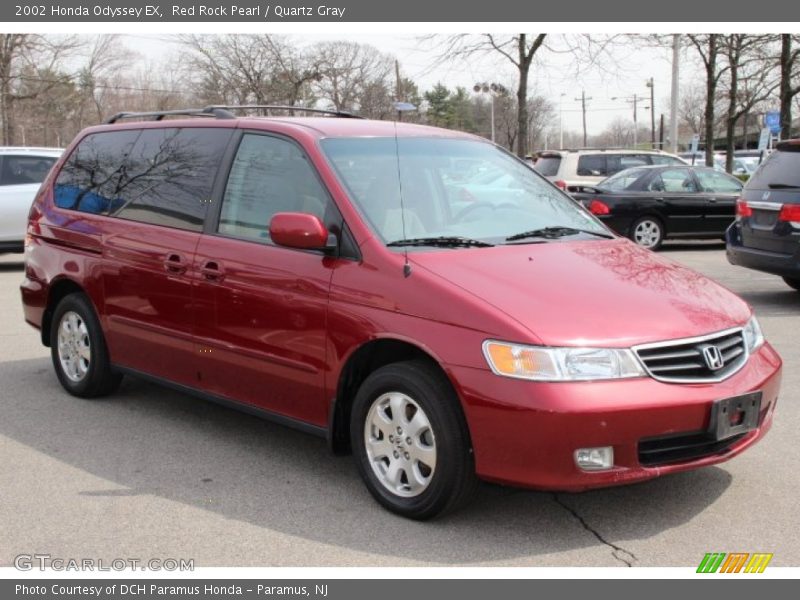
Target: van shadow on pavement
pixel 150 440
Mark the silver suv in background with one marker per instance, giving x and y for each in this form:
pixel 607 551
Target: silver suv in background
pixel 572 169
pixel 22 171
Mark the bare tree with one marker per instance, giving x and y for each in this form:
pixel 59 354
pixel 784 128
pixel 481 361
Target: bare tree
pixel 106 59
pixel 347 69
pixel 750 81
pixel 519 49
pixel 790 80
pixel 26 58
pixel 707 46
pixel 231 68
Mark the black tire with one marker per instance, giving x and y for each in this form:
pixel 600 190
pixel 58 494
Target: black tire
pixel 452 481
pixel 97 378
pixel 654 229
pixel 793 283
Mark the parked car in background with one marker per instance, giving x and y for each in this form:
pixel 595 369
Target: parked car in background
pixel 22 171
pixel 651 204
pixel 766 233
pixel 745 162
pixel 571 169
pixel 314 271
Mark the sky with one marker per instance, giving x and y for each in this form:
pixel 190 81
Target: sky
pixel 554 76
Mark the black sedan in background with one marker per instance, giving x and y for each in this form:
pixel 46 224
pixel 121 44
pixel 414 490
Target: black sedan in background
pixel 650 204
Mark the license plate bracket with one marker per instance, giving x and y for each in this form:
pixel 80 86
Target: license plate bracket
pixel 734 416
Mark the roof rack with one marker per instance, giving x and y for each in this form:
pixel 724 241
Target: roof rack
pixel 224 112
pixel 269 107
pixel 208 111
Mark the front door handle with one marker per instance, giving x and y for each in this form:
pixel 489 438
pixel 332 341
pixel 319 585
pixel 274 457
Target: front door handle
pixel 213 271
pixel 175 263
pixel 712 199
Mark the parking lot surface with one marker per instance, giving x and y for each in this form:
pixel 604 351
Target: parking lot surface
pixel 151 473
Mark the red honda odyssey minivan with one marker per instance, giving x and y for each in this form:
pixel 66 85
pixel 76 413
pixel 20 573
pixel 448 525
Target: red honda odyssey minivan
pixel 418 296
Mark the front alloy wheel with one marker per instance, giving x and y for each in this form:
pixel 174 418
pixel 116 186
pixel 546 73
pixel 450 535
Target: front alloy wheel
pixel 410 440
pixel 400 444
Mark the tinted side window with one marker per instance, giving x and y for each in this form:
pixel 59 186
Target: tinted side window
pixel 677 181
pixel 94 173
pixel 720 183
pixel 169 176
pixel 593 165
pixel 18 170
pixel 269 175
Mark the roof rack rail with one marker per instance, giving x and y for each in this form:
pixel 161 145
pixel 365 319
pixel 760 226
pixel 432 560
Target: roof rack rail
pixel 224 112
pixel 268 107
pixel 208 111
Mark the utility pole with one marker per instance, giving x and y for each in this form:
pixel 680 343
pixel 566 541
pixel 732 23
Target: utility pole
pixel 583 100
pixel 661 134
pixel 397 92
pixel 635 123
pixel 673 110
pixel 652 113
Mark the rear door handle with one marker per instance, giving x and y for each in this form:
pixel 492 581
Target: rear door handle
pixel 712 199
pixel 175 263
pixel 213 271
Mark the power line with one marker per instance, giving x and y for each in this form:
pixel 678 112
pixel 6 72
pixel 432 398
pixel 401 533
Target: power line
pixel 104 86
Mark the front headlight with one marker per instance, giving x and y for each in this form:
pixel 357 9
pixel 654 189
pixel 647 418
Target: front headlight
pixel 753 338
pixel 540 363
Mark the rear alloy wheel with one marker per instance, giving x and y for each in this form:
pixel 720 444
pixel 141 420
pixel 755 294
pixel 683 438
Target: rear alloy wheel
pixel 410 441
pixel 792 283
pixel 647 232
pixel 78 349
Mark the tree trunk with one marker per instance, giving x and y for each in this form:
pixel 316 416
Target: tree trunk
pixel 711 89
pixel 786 86
pixel 734 53
pixel 522 99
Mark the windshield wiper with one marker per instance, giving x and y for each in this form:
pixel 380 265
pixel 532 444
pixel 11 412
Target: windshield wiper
pixel 556 232
pixel 443 241
pixel 783 186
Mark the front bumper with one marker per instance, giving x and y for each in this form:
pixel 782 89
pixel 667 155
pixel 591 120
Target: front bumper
pixel 525 433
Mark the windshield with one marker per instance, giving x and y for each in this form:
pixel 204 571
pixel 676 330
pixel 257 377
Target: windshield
pixel 496 197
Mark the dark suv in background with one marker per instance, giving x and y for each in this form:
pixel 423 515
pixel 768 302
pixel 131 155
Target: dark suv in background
pixel 766 233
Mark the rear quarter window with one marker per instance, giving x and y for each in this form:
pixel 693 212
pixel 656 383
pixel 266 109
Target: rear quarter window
pixel 593 165
pixel 781 168
pixel 92 176
pixel 548 165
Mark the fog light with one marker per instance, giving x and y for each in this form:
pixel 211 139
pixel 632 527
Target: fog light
pixel 595 459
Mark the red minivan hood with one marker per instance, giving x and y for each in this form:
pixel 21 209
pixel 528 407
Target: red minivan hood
pixel 599 293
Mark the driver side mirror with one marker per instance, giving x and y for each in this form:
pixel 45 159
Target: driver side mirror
pixel 303 231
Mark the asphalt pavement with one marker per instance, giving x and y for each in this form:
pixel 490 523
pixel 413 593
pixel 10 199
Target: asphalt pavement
pixel 151 473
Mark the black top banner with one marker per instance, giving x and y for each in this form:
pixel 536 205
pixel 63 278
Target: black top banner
pixel 706 11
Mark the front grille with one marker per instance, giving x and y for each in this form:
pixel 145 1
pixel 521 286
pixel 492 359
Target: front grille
pixel 681 448
pixel 686 361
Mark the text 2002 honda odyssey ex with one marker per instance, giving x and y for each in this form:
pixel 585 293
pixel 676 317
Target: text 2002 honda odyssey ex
pixel 418 296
